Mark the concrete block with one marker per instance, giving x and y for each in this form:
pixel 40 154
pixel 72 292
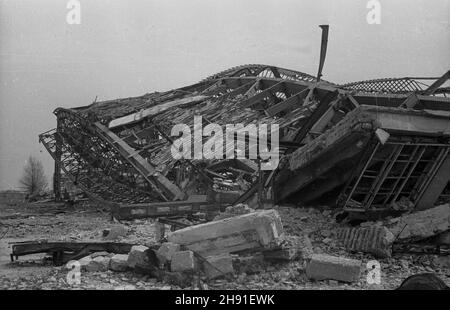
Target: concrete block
pixel 138 256
pixel 100 263
pixel 166 251
pixel 376 240
pixel 442 262
pixel 257 230
pixel 183 261
pixel 119 262
pixel 84 262
pixel 218 266
pixel 326 267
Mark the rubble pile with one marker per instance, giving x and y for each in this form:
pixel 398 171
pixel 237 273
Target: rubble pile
pixel 212 249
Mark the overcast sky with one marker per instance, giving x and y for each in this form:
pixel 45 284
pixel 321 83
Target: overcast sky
pixel 126 48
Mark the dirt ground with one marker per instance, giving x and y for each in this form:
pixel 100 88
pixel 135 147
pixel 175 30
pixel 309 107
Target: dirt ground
pixel 84 222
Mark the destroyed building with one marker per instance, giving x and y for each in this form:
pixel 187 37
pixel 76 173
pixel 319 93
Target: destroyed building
pixel 367 147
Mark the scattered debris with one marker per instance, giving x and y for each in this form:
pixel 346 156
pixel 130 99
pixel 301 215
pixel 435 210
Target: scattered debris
pixel 291 248
pixel 119 262
pixel 422 224
pixel 423 281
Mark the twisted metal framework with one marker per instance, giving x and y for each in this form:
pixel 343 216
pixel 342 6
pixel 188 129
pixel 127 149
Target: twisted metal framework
pixel 131 162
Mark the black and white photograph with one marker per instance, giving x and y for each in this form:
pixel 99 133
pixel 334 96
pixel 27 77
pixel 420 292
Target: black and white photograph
pixel 224 152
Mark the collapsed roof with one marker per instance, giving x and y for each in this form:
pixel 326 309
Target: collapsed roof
pixel 119 150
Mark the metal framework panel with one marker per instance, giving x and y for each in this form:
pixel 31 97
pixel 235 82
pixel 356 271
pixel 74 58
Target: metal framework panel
pixel 394 176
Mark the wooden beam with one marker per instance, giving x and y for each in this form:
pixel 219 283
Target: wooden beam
pixel 260 96
pixel 410 102
pixel 318 112
pixel 430 90
pixel 290 102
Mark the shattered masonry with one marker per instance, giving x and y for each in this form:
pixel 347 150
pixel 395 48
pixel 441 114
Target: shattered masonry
pixel 370 147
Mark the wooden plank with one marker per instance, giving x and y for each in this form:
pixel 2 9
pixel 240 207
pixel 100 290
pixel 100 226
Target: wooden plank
pixel 138 116
pixel 289 103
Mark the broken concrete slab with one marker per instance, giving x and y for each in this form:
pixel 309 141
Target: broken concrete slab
pixel 167 250
pixel 115 232
pixel 376 240
pixel 138 256
pixel 183 261
pixel 327 267
pixel 160 231
pixel 119 262
pixel 218 266
pixel 257 230
pixel 291 248
pixel 421 225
